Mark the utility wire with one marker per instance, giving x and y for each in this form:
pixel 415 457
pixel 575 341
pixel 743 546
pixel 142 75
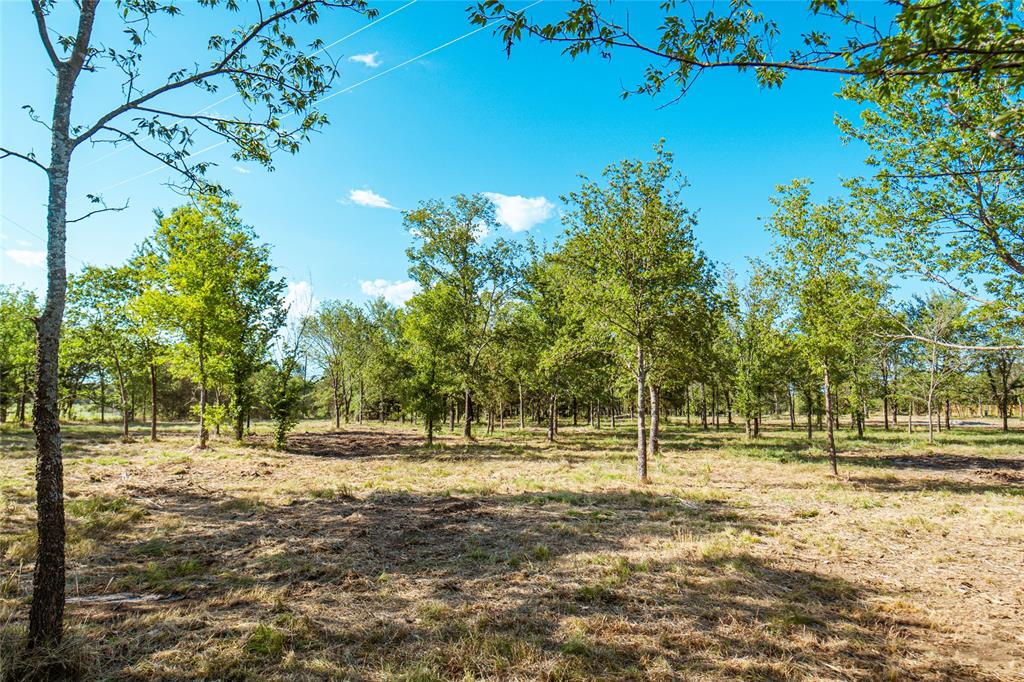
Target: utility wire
pixel 344 90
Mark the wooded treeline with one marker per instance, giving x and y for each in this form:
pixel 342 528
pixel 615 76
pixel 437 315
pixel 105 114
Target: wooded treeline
pixel 624 316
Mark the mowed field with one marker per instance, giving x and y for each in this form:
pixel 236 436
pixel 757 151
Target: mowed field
pixel 361 555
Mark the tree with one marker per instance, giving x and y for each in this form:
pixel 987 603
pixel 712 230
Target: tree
pixel 759 345
pixel 908 41
pixel 835 303
pixel 102 301
pixel 946 196
pixel 632 263
pixel 17 348
pixel 941 319
pixel 272 74
pixel 429 346
pixel 478 279
pixel 211 289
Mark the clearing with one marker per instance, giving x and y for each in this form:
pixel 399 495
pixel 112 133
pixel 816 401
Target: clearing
pixel 359 554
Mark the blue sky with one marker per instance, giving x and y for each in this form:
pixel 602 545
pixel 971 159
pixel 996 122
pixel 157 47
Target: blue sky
pixel 462 119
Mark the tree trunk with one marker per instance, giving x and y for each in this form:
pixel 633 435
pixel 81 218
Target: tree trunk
pixel 792 410
pixel 359 415
pixel 522 411
pixel 337 402
pixel 652 441
pixel 831 423
pixel 103 397
pixel 430 430
pixel 947 414
pixel 152 391
pixel 552 416
pixel 203 433
pixel 46 617
pixel 703 408
pixel 810 416
pixel 641 432
pixel 467 424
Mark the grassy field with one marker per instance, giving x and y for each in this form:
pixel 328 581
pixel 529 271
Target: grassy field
pixel 362 555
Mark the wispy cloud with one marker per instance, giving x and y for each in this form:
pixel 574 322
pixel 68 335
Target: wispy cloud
pixel 369 59
pixel 243 171
pixel 30 259
pixel 397 293
pixel 519 213
pixel 369 198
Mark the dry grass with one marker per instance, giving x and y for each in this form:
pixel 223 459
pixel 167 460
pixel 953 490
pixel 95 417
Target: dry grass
pixel 362 555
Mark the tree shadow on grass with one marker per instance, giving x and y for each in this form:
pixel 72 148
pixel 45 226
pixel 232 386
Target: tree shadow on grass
pixel 556 584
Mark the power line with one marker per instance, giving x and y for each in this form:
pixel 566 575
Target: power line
pixel 330 96
pixel 235 93
pixel 39 237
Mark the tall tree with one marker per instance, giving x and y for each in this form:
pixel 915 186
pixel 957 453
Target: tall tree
pixel 819 254
pixel 479 278
pixel 260 59
pixel 632 263
pixel 211 289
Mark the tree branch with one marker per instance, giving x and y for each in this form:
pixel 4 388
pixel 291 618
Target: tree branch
pixel 44 35
pixel 24 157
pixel 100 210
pixel 219 68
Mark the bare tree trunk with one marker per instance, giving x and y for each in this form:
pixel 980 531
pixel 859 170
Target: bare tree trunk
pixel 641 432
pixel 652 441
pixel 46 616
pixel 792 409
pixel 467 424
pixel 810 415
pixel 703 408
pixel 337 401
pixel 522 411
pixel 831 424
pixel 152 393
pixel 203 433
pixel 552 417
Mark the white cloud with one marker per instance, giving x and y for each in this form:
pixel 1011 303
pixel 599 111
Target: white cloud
pixel 367 197
pixel 30 259
pixel 519 213
pixel 243 171
pixel 397 293
pixel 369 59
pixel 300 301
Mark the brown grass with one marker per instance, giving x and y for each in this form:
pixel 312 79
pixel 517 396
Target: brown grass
pixel 362 555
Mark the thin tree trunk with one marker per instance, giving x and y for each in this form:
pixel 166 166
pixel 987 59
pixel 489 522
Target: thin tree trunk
pixel 810 416
pixel 552 417
pixel 641 433
pixel 152 391
pixel 467 424
pixel 337 402
pixel 46 616
pixel 203 433
pixel 653 441
pixel 831 422
pixel 103 397
pixel 522 411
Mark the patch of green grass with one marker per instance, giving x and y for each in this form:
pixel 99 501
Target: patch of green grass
pixel 265 642
pixel 597 593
